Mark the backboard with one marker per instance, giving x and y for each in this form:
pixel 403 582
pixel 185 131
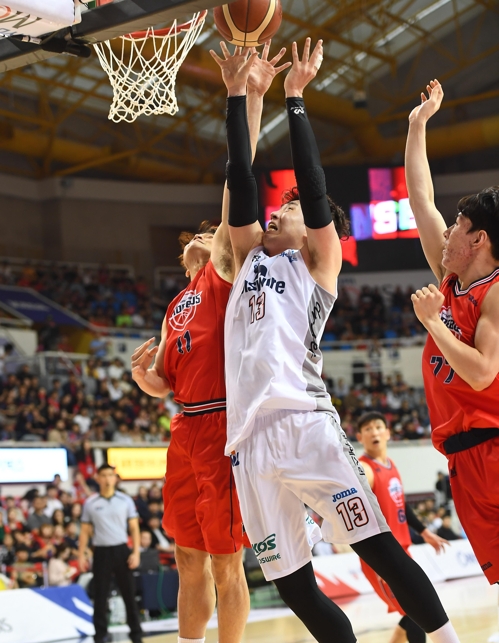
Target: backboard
pixel 102 23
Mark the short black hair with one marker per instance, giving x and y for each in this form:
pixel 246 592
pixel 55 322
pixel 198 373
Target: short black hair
pixel 482 210
pixel 341 221
pixel 365 418
pixel 103 467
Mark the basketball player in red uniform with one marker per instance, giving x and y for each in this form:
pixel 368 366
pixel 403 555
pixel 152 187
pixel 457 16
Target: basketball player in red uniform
pixel 201 505
pixel 384 479
pixel 461 357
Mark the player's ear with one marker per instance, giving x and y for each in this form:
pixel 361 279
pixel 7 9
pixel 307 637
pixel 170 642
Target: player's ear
pixel 389 433
pixel 481 238
pixel 188 274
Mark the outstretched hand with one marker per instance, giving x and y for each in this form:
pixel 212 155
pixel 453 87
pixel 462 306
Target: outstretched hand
pixel 304 70
pixel 263 71
pixel 435 541
pixel 429 105
pixel 235 68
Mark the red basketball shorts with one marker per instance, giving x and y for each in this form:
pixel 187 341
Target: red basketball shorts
pixel 201 505
pixel 382 588
pixel 474 475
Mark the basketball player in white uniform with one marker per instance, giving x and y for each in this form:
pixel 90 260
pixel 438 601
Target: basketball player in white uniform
pixel 284 437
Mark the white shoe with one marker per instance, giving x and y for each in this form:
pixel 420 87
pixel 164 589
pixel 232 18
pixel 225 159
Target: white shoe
pixel 494 638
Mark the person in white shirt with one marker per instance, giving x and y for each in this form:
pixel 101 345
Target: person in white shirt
pixel 83 420
pixel 53 501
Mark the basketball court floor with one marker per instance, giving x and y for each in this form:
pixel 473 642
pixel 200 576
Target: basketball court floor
pixel 471 604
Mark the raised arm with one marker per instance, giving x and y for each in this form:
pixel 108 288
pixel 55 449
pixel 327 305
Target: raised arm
pixel 245 230
pixel 260 77
pixel 431 224
pixel 322 251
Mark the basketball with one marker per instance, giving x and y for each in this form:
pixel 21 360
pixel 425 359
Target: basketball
pixel 248 23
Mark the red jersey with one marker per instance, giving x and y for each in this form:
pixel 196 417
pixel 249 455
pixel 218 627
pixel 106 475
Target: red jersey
pixel 194 355
pixel 453 405
pixel 389 491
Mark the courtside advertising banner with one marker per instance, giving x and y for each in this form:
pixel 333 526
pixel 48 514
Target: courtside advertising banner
pixel 41 615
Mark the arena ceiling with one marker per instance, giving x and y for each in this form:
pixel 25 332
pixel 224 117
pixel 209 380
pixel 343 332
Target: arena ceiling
pixel 379 55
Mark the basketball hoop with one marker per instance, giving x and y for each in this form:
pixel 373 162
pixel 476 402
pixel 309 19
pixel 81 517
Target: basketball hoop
pixel 143 67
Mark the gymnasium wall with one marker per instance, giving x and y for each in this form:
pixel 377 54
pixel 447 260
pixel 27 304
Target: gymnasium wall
pixel 74 219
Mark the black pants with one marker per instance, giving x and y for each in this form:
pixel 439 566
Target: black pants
pixel 109 562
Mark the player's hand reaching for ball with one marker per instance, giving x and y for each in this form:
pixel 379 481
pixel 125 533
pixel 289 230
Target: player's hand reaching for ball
pixel 429 104
pixel 427 304
pixel 235 68
pixel 435 541
pixel 304 70
pixel 146 377
pixel 263 71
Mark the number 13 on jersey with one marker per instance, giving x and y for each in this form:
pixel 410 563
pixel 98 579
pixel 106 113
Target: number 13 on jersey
pixel 257 307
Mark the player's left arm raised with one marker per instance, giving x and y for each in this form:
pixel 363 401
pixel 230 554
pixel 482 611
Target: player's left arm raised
pixel 322 252
pixel 477 365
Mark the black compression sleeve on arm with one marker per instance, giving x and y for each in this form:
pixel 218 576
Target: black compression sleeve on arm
pixel 243 202
pixel 413 521
pixel 307 165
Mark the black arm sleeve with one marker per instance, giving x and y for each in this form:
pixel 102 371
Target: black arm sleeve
pixel 413 521
pixel 243 203
pixel 307 165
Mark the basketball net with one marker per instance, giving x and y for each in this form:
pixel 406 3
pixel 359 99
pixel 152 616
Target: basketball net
pixel 143 67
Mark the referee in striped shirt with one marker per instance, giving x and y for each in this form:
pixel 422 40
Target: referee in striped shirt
pixel 107 517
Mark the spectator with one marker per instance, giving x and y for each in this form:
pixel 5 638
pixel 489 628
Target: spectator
pixel 44 546
pixel 58 517
pixel 60 574
pixel 7 550
pixel 116 369
pixel 52 500
pixel 24 573
pixel 122 435
pixel 445 530
pixel 83 420
pixel 85 460
pixel 159 539
pixel 76 512
pixel 14 522
pixel 71 535
pixel 38 517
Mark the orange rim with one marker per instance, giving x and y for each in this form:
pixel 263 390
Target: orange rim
pixel 168 32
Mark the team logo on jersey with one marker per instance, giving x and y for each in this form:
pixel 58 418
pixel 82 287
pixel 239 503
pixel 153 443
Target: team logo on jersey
pixel 185 310
pixel 396 492
pixel 290 255
pixel 446 317
pixel 344 494
pixel 234 458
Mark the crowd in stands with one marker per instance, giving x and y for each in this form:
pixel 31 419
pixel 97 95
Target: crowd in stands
pixel 370 314
pixel 39 533
pixel 112 297
pixel 107 297
pixel 103 404
pixel 404 406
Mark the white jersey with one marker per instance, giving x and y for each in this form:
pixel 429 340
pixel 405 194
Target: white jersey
pixel 273 326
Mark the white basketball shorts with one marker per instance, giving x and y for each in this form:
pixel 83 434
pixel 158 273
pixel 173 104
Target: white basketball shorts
pixel 294 458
